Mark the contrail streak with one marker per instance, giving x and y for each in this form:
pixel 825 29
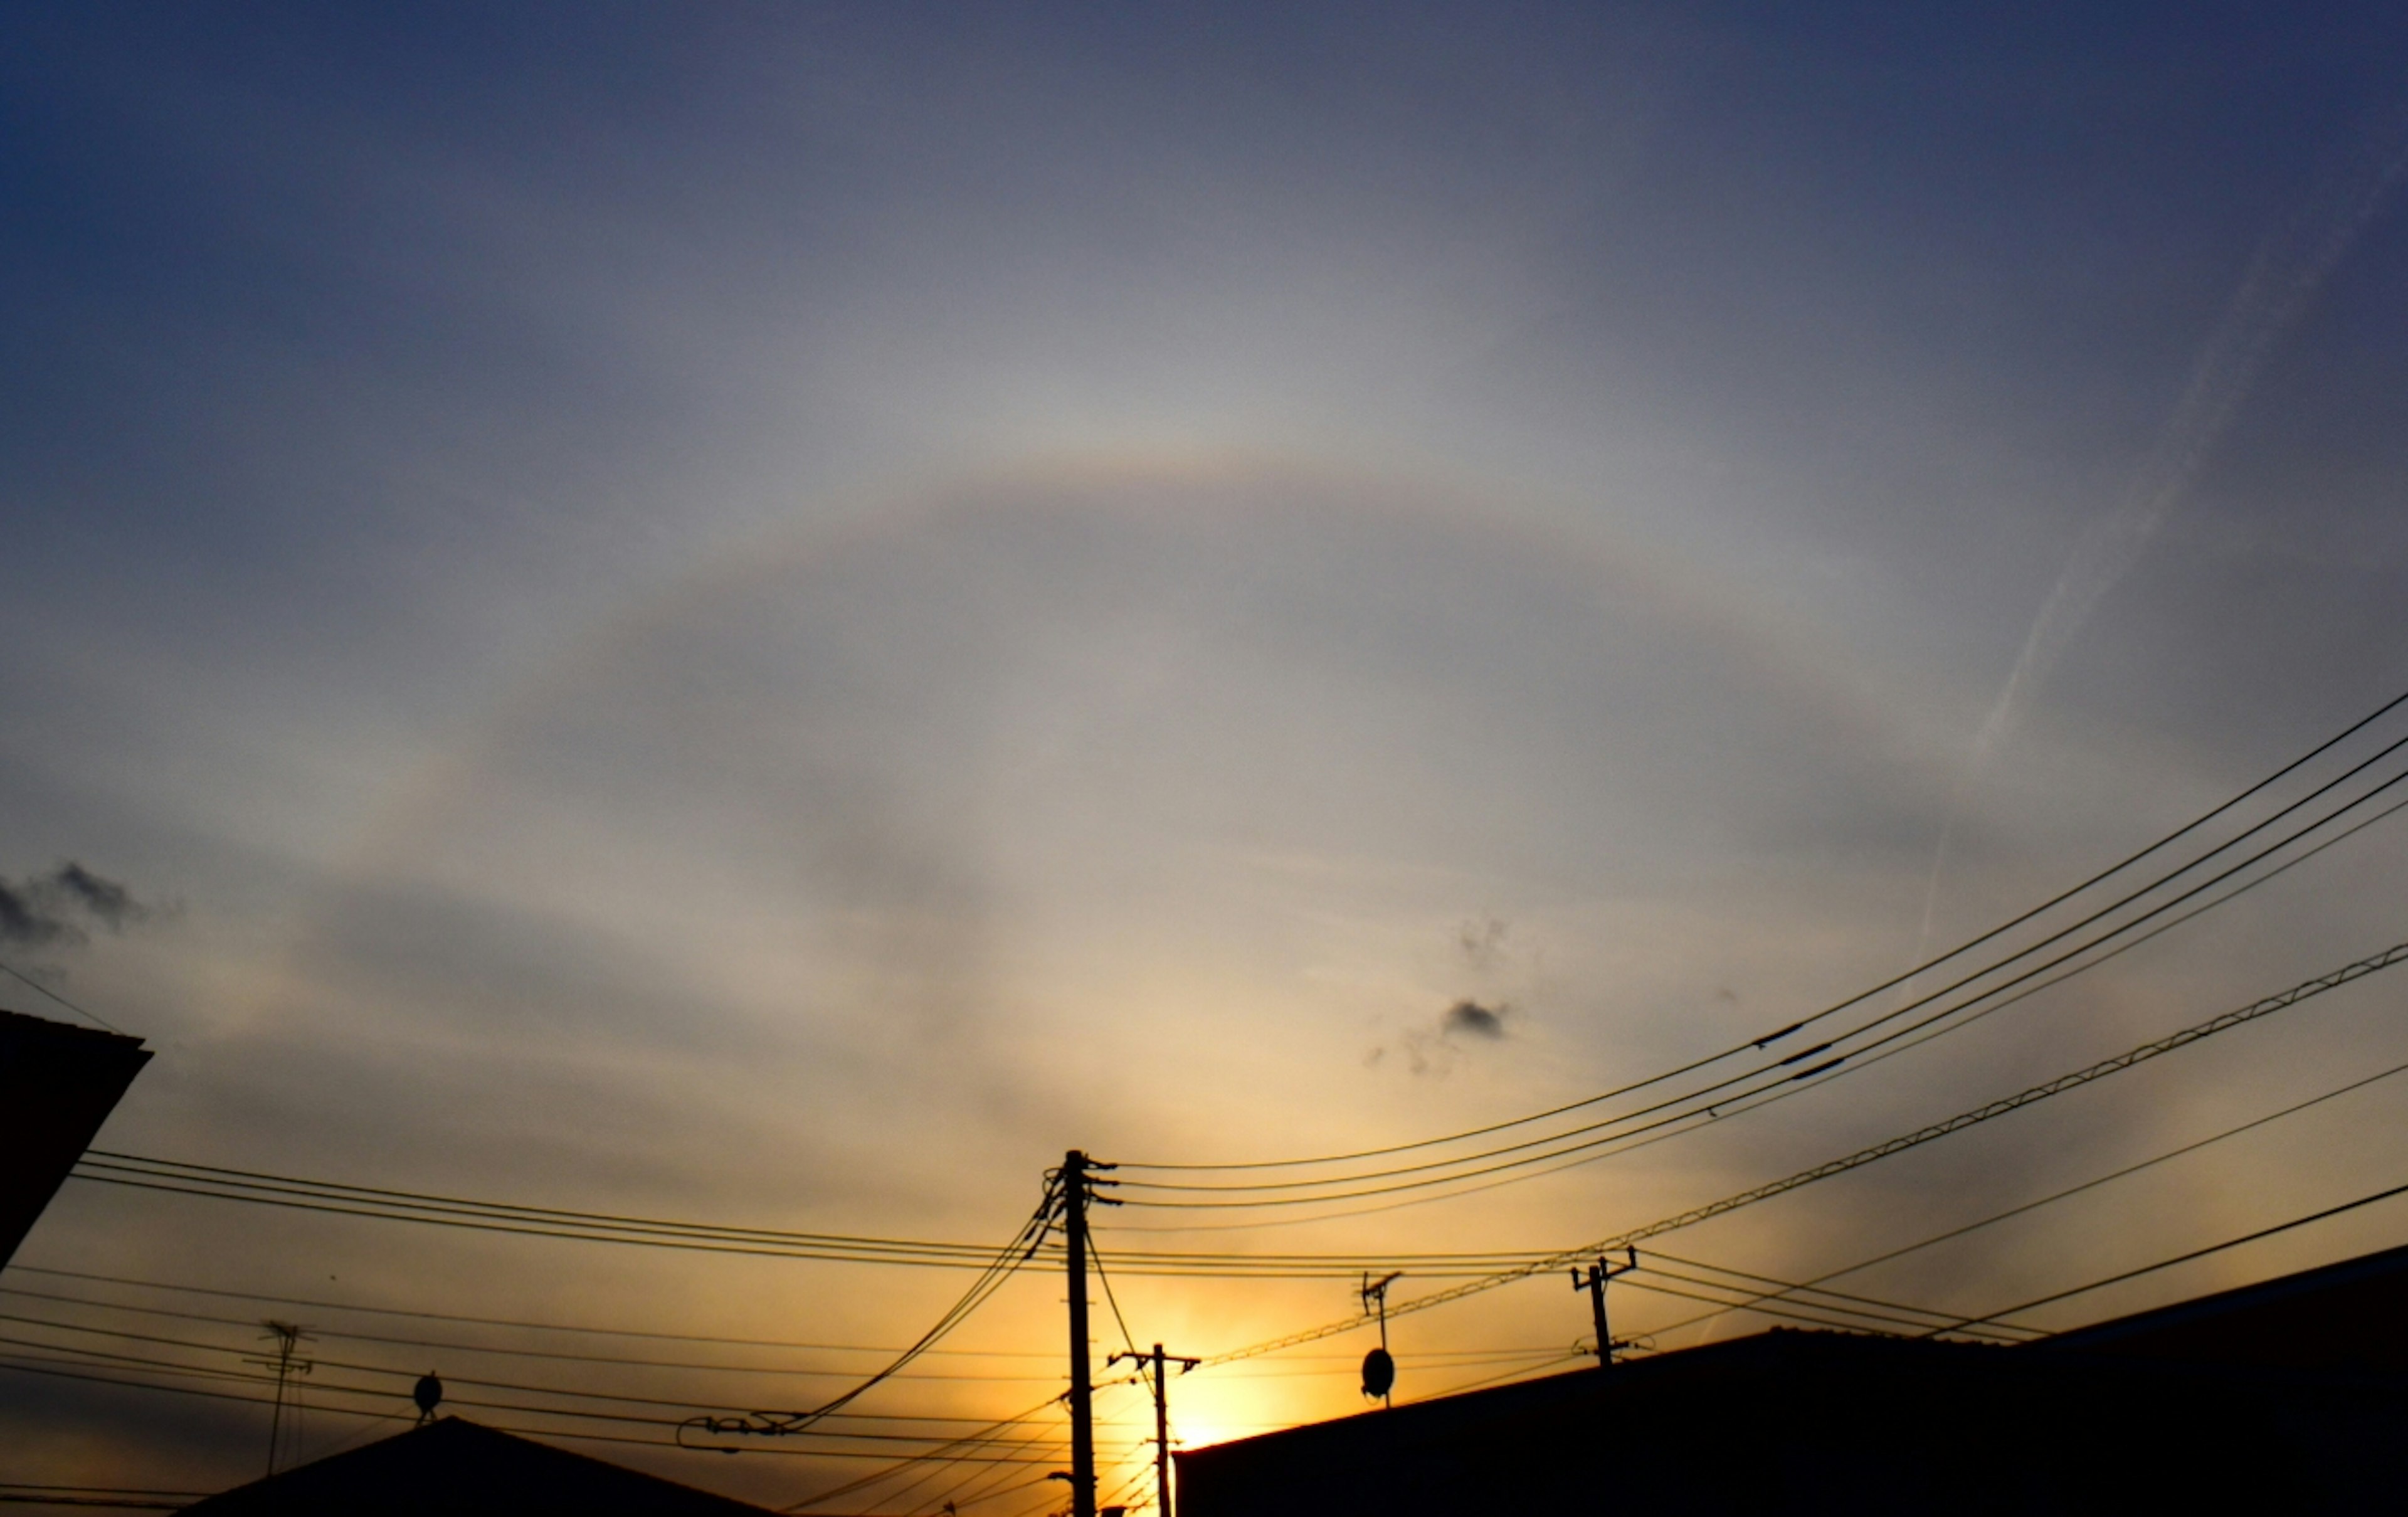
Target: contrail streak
pixel 2282 282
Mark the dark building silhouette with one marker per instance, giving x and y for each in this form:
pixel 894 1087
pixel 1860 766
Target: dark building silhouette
pixel 57 1085
pixel 454 1466
pixel 2287 1396
pixel 2351 1315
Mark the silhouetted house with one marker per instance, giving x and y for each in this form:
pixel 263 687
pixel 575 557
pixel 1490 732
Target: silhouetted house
pixel 2351 1315
pixel 454 1466
pixel 57 1085
pixel 2138 1414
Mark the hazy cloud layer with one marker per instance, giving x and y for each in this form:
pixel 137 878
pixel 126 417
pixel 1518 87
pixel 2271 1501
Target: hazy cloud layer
pixel 776 614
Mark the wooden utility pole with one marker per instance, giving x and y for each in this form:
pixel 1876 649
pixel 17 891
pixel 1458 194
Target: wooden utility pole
pixel 288 1340
pixel 1156 1360
pixel 1598 1273
pixel 1077 1184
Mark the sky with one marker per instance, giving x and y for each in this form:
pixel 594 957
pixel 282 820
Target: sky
pixel 774 614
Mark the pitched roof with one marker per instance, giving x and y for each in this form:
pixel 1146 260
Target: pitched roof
pixel 57 1085
pixel 452 1466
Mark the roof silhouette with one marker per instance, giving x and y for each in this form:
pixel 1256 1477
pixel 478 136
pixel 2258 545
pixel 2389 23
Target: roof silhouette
pixel 452 1466
pixel 2352 1314
pixel 2286 1395
pixel 57 1085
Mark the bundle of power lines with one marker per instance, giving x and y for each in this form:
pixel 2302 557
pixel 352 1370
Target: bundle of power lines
pixel 2344 786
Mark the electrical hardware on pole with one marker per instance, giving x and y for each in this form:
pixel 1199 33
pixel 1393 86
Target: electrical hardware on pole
pixel 1598 1273
pixel 1156 1361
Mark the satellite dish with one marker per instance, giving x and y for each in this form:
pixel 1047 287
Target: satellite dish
pixel 1378 1373
pixel 428 1394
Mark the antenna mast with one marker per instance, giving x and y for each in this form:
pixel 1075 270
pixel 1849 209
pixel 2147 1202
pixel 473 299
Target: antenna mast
pixel 1379 1366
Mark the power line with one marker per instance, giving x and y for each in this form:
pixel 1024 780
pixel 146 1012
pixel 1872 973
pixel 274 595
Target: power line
pixel 2173 1042
pixel 108 1359
pixel 1697 1101
pixel 1806 1293
pixel 320 1304
pixel 2274 1003
pixel 937 1464
pixel 1343 1360
pixel 85 1357
pixel 1008 1259
pixel 463 1211
pixel 501 1216
pixel 1768 1040
pixel 1829 1313
pixel 1096 1257
pixel 1807 1319
pixel 865 1482
pixel 1201 1263
pixel 1222 1266
pixel 454 1346
pixel 295 1193
pixel 686 1403
pixel 1187 1265
pixel 35 985
pixel 1857 1066
pixel 1965 1228
pixel 2178 1259
pixel 54 1371
pixel 1730 1108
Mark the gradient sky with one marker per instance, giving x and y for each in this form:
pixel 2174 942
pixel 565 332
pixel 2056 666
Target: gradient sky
pixel 775 613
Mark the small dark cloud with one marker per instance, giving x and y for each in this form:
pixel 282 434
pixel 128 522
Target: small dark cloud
pixel 24 925
pixel 1475 1020
pixel 104 900
pixel 53 909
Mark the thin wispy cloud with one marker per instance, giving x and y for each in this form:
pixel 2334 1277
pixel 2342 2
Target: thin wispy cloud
pixel 2279 291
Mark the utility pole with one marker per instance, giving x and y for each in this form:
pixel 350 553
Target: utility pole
pixel 288 1339
pixel 1161 1417
pixel 1598 1273
pixel 1078 1190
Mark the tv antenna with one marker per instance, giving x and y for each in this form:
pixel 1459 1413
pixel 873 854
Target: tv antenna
pixel 1379 1367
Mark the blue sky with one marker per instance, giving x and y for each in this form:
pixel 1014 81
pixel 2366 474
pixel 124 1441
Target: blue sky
pixel 894 589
